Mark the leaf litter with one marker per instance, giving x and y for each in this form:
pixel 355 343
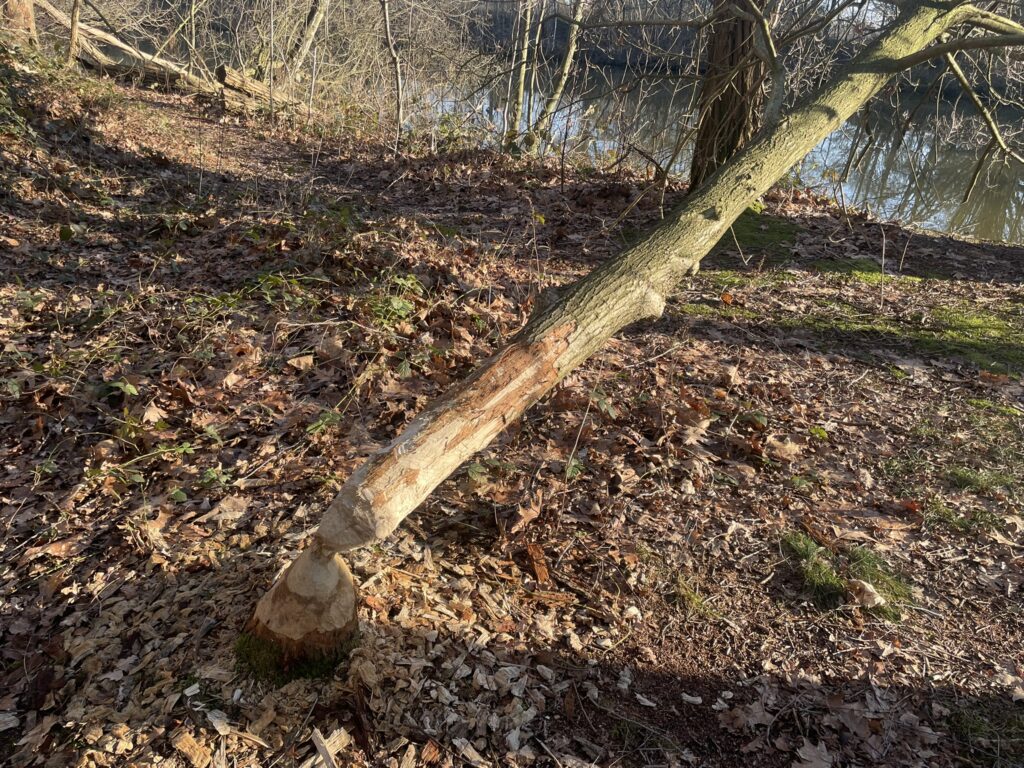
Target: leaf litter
pixel 203 333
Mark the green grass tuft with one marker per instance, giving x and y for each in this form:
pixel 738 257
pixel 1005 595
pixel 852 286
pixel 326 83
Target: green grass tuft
pixel 824 574
pixel 814 564
pixel 981 481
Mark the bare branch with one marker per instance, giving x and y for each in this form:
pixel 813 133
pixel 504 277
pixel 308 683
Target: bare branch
pixel 993 127
pixel 960 44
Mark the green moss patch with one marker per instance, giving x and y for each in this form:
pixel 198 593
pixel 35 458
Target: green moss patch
pixel 989 340
pixel 762 237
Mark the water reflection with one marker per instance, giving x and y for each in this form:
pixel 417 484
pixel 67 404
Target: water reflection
pixel 918 178
pixel 922 180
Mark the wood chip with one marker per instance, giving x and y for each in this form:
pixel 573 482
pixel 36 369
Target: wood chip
pixel 333 744
pixel 193 751
pixel 538 562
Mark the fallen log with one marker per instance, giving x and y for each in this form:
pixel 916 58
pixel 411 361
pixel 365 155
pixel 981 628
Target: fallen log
pixel 148 68
pixel 254 89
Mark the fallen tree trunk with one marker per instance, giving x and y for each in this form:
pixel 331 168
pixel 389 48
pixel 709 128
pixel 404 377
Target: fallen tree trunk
pixel 251 88
pixel 149 68
pixel 631 287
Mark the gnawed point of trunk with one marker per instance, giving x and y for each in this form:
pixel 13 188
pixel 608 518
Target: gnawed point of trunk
pixel 311 611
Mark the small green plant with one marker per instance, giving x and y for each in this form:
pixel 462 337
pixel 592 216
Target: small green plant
pixel 216 477
pixel 328 418
pixel 980 481
pixel 574 468
pixel 689 599
pixel 816 569
pixel 393 301
pixel 824 574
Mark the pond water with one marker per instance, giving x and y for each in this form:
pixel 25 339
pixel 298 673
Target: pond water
pixel 917 177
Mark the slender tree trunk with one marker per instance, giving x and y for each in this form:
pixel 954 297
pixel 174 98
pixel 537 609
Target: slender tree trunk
pixel 729 97
pixel 270 68
pixel 535 60
pixel 396 68
pixel 19 19
pixel 515 104
pixel 542 127
pixel 631 287
pixel 76 12
pixel 297 55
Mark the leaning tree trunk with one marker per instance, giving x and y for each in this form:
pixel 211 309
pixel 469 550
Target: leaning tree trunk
pixel 296 57
pixel 310 609
pixel 515 104
pixel 542 127
pixel 727 111
pixel 19 19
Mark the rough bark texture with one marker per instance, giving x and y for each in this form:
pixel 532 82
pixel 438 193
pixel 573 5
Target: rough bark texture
pixel 633 286
pixel 250 86
pixel 729 95
pixel 19 20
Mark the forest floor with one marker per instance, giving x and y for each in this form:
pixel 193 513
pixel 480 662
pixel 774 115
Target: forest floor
pixel 673 559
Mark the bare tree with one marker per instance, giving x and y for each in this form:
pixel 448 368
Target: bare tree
pixel 518 85
pixel 729 101
pixel 76 12
pixel 542 126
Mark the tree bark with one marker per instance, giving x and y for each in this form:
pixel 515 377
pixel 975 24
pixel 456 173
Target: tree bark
pixel 515 104
pixel 396 68
pixel 76 12
pixel 296 57
pixel 542 127
pixel 631 287
pixel 20 20
pixel 727 112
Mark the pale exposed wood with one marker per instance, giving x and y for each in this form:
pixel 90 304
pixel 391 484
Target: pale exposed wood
pixel 197 755
pixel 312 609
pixel 334 743
pixel 326 756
